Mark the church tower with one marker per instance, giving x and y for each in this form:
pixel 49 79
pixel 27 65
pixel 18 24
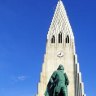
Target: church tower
pixel 60 49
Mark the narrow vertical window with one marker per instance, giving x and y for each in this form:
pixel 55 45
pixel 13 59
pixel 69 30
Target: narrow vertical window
pixel 67 39
pixel 53 39
pixel 60 38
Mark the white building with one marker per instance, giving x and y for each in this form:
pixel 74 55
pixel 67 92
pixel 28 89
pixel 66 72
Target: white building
pixel 60 49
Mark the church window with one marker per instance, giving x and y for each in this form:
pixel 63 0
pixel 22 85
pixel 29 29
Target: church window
pixel 60 38
pixel 67 39
pixel 53 39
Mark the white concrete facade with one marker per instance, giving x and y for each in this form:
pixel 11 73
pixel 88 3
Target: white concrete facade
pixel 60 49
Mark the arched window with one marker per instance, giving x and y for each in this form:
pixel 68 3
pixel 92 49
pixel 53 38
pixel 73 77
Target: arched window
pixel 53 39
pixel 60 37
pixel 67 39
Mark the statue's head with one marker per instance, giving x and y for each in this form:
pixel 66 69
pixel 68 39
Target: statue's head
pixel 60 67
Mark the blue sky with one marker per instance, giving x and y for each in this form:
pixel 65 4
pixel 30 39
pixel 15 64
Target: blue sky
pixel 23 30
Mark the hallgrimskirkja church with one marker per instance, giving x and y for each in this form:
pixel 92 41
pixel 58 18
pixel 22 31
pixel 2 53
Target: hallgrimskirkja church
pixel 60 49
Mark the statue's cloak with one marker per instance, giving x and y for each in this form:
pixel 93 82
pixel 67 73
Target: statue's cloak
pixel 50 89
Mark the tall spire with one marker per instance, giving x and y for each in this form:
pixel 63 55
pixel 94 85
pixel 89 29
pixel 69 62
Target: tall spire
pixel 60 49
pixel 60 21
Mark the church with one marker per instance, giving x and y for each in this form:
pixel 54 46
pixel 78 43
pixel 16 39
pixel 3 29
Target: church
pixel 60 49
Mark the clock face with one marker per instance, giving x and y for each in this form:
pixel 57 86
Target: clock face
pixel 60 54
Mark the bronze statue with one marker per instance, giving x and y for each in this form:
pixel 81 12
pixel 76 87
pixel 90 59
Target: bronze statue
pixel 57 85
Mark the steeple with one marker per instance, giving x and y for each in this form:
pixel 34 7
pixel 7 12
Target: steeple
pixel 60 25
pixel 60 21
pixel 60 49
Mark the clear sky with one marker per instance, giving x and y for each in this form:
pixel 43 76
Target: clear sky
pixel 23 30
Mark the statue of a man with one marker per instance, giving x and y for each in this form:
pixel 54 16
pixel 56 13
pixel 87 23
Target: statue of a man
pixel 57 85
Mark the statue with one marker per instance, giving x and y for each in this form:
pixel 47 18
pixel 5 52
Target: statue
pixel 57 85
